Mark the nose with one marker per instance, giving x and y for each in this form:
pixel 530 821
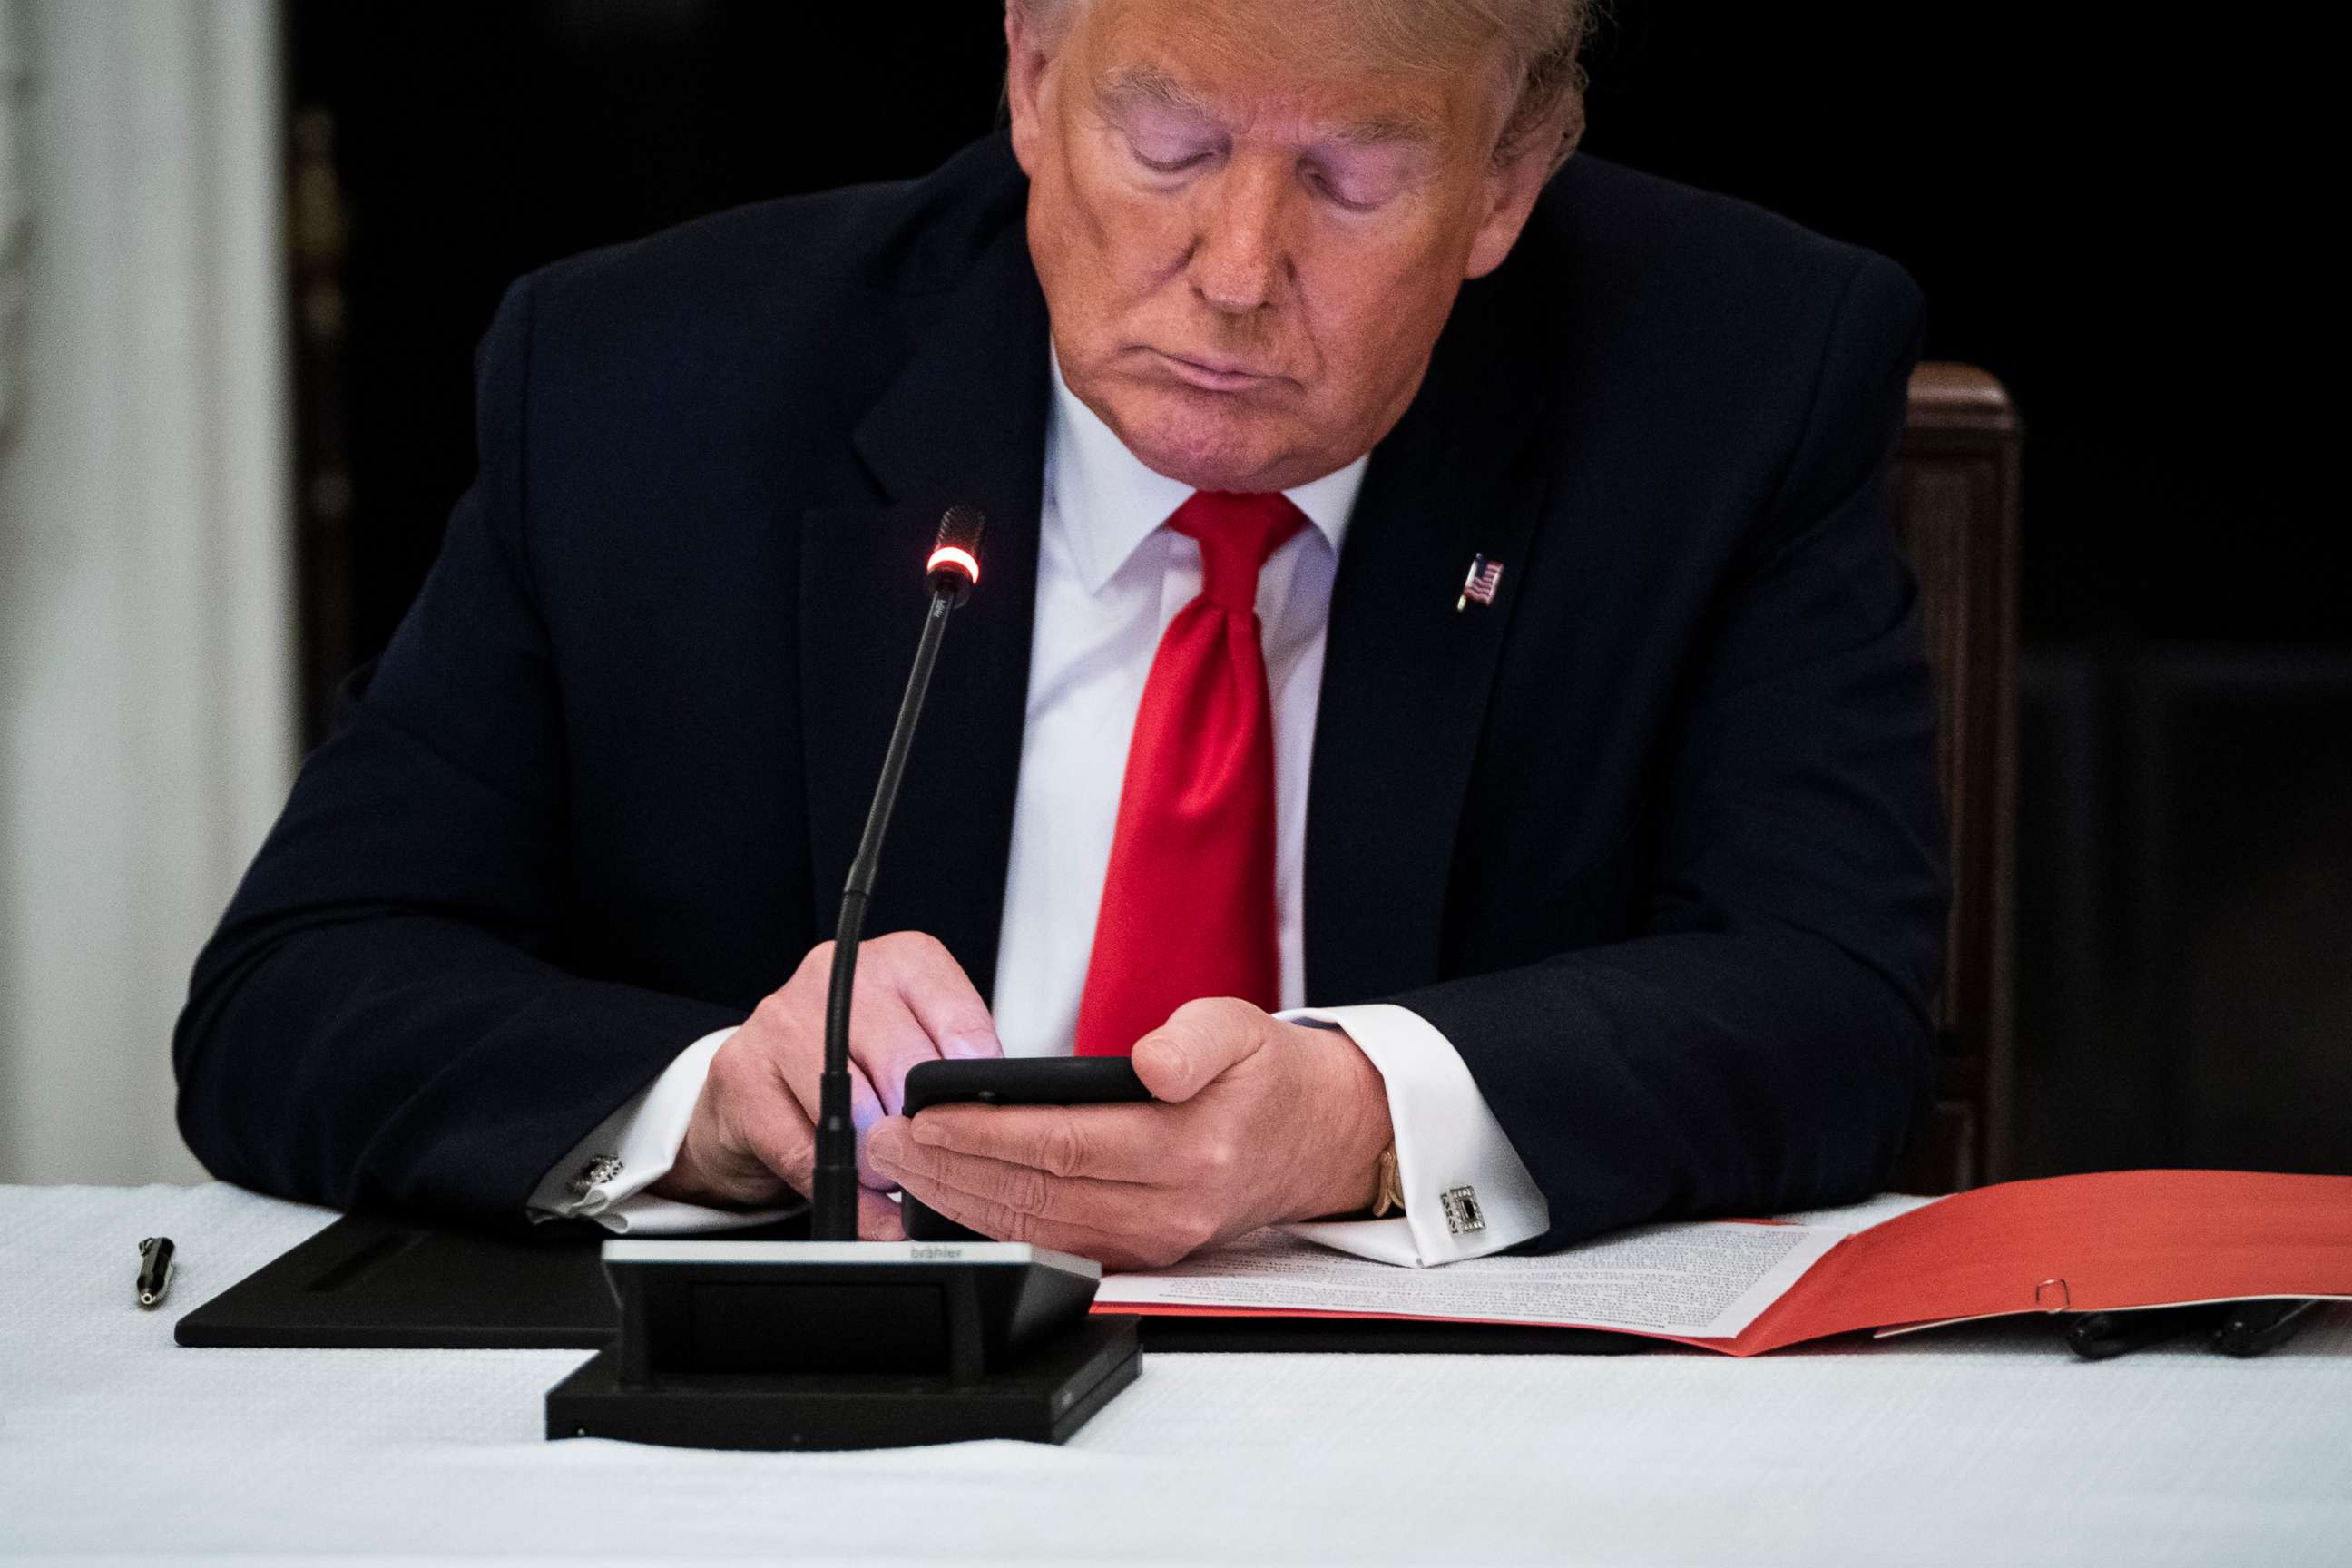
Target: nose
pixel 1239 257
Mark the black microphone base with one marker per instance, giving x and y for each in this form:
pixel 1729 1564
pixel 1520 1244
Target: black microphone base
pixel 748 1344
pixel 1042 1398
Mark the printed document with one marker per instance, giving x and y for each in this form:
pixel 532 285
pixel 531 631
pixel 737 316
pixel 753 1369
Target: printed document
pixel 1707 1279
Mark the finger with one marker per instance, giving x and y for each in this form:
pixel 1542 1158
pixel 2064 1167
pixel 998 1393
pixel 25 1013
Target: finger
pixel 943 1002
pixel 887 1042
pixel 878 1218
pixel 1200 1041
pixel 1107 1142
pixel 775 1128
pixel 877 1024
pixel 785 1039
pixel 1023 1189
pixel 718 1164
pixel 999 1222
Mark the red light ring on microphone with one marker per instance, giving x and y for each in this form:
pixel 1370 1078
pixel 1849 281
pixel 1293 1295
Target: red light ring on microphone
pixel 955 559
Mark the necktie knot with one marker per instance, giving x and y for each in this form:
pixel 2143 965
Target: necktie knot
pixel 1237 531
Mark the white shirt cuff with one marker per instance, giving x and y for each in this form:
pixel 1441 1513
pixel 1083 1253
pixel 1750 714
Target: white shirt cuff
pixel 605 1178
pixel 1466 1191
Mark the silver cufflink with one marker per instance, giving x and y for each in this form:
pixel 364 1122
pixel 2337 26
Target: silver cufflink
pixel 593 1174
pixel 1463 1215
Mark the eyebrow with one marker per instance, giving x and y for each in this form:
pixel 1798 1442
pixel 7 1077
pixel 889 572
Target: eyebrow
pixel 1117 89
pixel 1132 83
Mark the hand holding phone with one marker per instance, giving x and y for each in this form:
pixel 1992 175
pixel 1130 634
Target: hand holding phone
pixel 1007 1080
pixel 1252 1120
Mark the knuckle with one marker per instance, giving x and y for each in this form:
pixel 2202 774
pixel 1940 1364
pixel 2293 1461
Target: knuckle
pixel 729 1082
pixel 1200 1013
pixel 1216 1014
pixel 1025 1190
pixel 907 947
pixel 794 1160
pixel 1217 1159
pixel 742 1074
pixel 1062 1150
pixel 777 1026
pixel 1017 1226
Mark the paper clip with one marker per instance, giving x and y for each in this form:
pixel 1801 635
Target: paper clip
pixel 2042 1296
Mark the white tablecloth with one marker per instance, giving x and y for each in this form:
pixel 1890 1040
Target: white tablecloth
pixel 1987 1447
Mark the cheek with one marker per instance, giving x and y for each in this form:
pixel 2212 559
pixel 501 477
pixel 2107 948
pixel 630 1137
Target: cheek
pixel 1100 248
pixel 1139 240
pixel 1123 226
pixel 1370 310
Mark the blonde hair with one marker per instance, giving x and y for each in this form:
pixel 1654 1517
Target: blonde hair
pixel 1542 44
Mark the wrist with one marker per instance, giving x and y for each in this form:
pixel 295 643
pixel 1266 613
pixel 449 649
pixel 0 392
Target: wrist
pixel 685 1181
pixel 710 1171
pixel 1362 1133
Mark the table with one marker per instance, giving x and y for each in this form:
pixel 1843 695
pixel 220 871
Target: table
pixel 1985 1446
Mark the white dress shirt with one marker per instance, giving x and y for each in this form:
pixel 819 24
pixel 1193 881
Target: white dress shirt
pixel 1109 578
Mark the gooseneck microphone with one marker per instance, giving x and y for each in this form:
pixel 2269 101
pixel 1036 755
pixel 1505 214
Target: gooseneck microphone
pixel 949 577
pixel 834 1343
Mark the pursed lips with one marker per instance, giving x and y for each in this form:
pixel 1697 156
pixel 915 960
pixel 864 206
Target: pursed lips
pixel 1213 375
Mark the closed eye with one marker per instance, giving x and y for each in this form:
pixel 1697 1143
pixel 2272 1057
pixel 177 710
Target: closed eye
pixel 1167 165
pixel 1338 198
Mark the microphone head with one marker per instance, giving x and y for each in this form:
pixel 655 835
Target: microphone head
pixel 954 566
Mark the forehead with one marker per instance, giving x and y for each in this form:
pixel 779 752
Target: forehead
pixel 1354 119
pixel 1303 63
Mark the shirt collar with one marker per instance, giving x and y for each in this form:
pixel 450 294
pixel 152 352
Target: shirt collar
pixel 1110 502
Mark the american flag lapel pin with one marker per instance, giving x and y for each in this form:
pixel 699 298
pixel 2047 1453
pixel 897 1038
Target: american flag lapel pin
pixel 1478 587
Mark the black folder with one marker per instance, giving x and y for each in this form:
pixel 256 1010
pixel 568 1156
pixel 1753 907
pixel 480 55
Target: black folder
pixel 380 1282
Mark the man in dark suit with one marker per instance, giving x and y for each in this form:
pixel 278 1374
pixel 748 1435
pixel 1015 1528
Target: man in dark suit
pixel 1447 598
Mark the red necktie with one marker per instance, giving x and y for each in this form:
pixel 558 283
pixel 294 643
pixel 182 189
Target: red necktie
pixel 1188 902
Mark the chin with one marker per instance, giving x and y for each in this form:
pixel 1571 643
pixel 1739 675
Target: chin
pixel 1201 439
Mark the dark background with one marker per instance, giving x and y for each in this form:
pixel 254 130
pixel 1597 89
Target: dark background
pixel 2097 212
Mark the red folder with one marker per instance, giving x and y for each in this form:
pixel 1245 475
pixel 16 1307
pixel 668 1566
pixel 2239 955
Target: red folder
pixel 2080 1244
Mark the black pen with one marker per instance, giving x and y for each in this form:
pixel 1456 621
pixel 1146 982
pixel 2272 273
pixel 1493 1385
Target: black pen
pixel 2255 1328
pixel 154 1269
pixel 2095 1336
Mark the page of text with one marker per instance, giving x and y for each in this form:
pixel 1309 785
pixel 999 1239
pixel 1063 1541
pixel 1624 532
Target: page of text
pixel 1704 1280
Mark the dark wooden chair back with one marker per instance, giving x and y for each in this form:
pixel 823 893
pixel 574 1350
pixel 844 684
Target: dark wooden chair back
pixel 1956 506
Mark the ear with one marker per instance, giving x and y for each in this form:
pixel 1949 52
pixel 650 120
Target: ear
pixel 1026 61
pixel 1512 186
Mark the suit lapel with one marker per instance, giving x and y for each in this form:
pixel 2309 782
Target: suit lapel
pixel 963 422
pixel 1406 677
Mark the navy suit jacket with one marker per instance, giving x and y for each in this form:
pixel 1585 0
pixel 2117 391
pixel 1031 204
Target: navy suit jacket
pixel 1654 839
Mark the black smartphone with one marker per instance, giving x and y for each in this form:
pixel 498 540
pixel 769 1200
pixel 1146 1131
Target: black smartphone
pixel 1008 1080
